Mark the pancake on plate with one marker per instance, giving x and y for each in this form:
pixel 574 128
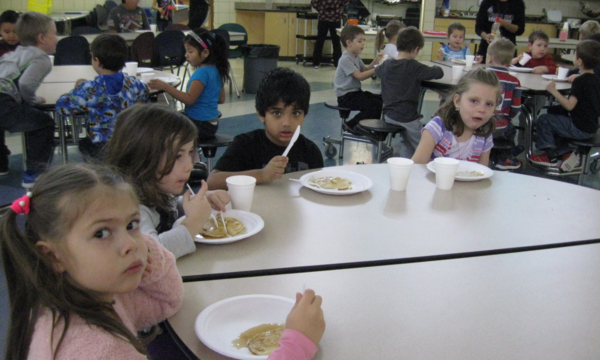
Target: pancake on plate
pixel 333 183
pixel 210 230
pixel 265 343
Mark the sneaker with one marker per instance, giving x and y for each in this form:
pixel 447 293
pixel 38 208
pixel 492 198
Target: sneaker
pixel 348 128
pixel 542 160
pixel 3 164
pixel 29 180
pixel 317 67
pixel 570 161
pixel 508 164
pixel 501 123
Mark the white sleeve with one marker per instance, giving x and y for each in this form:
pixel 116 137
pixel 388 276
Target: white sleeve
pixel 178 240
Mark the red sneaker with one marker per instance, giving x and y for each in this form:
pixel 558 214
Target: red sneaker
pixel 501 123
pixel 542 160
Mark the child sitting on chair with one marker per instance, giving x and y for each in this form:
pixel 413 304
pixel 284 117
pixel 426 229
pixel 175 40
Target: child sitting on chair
pixel 401 85
pixel 104 97
pixel 10 40
pixel 282 101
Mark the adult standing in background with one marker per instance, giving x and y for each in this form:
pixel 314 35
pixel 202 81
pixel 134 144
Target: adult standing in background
pixel 198 13
pixel 512 21
pixel 127 17
pixel 330 16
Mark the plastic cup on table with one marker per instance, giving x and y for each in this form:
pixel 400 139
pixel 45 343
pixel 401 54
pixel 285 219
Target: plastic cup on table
pixel 445 171
pixel 525 59
pixel 457 71
pixel 153 28
pixel 562 73
pixel 51 59
pixel 399 172
pixel 469 59
pixel 241 191
pixel 146 77
pixel 131 67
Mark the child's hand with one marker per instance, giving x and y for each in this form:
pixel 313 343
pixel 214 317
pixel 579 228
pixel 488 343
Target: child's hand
pixel 78 82
pixel 378 58
pixel 307 316
pixel 41 100
pixel 218 199
pixel 572 77
pixel 550 86
pixel 517 59
pixel 197 209
pixel 478 59
pixel 440 54
pixel 275 168
pixel 539 70
pixel 158 84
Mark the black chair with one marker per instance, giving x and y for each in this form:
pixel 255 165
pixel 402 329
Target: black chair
pixel 84 30
pixel 225 34
pixel 102 14
pixel 381 131
pixel 237 52
pixel 209 147
pixel 588 162
pixel 73 50
pixel 109 5
pixel 179 27
pixel 142 50
pixel 170 53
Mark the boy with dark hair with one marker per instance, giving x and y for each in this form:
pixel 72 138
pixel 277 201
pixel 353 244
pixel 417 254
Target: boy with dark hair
pixel 541 62
pixel 127 17
pixel 10 40
pixel 577 118
pixel 21 73
pixel 499 56
pixel 401 85
pixel 574 73
pixel 104 97
pixel 350 72
pixel 282 101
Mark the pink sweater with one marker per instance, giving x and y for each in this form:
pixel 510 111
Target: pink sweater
pixel 294 345
pixel 158 297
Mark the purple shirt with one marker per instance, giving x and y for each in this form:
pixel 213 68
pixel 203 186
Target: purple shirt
pixel 447 146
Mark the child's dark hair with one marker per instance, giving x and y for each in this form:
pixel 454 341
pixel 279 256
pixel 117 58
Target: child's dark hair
pixel 111 50
pixel 349 32
pixel 410 39
pixel 282 84
pixel 58 198
pixel 448 112
pixel 594 37
pixel 30 25
pixel 216 45
pixel 9 16
pixel 456 26
pixel 502 50
pixel 143 135
pixel 589 53
pixel 389 31
pixel 538 35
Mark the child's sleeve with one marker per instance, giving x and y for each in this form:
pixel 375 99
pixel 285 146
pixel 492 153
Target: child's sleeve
pixel 294 345
pixel 488 144
pixel 178 240
pixel 429 72
pixel 160 293
pixel 74 100
pixel 550 64
pixel 32 77
pixel 515 106
pixel 347 66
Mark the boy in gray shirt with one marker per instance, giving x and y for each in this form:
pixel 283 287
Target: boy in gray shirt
pixel 127 17
pixel 401 85
pixel 350 72
pixel 21 73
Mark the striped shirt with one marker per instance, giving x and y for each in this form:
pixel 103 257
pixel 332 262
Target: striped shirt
pixel 450 54
pixel 448 146
pixel 511 94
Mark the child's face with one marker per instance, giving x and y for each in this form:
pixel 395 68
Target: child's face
pixel 193 56
pixel 357 45
pixel 476 106
pixel 48 40
pixel 538 49
pixel 173 182
pixel 281 121
pixel 7 30
pixel 104 251
pixel 457 38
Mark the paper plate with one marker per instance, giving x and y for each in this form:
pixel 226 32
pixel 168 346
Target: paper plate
pixel 169 80
pixel 468 171
pixel 139 70
pixel 459 61
pixel 520 69
pixel 360 182
pixel 554 77
pixel 252 222
pixel 222 322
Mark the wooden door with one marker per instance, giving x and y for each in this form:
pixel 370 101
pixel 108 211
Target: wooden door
pixel 277 31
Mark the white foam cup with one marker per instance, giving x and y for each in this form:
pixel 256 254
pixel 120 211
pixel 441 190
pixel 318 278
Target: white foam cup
pixel 241 190
pixel 445 171
pixel 153 28
pixel 457 71
pixel 562 73
pixel 146 77
pixel 131 67
pixel 525 59
pixel 51 59
pixel 399 172
pixel 470 59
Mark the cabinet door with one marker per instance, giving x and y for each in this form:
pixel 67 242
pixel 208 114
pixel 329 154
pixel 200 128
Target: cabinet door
pixel 293 21
pixel 277 31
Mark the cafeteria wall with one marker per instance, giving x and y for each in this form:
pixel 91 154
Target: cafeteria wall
pixel 569 8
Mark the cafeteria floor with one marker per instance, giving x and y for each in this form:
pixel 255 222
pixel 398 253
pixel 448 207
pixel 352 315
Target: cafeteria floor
pixel 239 116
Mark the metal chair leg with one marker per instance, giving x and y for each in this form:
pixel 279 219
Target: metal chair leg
pixel 234 84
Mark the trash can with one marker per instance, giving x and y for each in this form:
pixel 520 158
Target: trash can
pixel 259 59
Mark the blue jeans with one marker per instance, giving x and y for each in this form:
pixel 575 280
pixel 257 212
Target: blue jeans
pixel 554 131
